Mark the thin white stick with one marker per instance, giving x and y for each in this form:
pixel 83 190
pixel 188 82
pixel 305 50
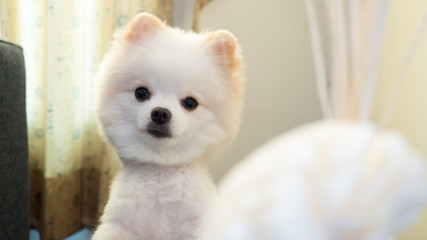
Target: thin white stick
pixel 333 58
pixel 352 20
pixel 357 49
pixel 361 43
pixel 339 60
pixel 398 84
pixel 322 86
pixel 376 33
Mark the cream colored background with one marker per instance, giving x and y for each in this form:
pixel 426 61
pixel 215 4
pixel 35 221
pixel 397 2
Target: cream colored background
pixel 281 89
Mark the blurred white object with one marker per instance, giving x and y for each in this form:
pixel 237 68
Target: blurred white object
pixel 326 180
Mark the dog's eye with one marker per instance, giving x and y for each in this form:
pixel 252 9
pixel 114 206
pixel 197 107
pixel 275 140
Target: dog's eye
pixel 189 103
pixel 142 94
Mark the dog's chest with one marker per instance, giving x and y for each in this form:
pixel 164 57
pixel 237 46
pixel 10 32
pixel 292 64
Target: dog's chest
pixel 161 203
pixel 165 212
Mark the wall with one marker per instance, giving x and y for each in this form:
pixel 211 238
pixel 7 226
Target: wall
pixel 280 90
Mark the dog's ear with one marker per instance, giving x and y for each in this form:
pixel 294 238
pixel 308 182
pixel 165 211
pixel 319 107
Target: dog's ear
pixel 142 26
pixel 224 46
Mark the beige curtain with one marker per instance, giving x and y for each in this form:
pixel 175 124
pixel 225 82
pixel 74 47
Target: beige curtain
pixel 64 41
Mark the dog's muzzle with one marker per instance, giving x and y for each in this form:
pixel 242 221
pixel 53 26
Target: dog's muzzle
pixel 159 126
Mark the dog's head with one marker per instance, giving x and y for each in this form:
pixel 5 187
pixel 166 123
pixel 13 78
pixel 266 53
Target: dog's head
pixel 168 96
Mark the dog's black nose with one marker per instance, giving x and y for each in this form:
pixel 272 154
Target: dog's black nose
pixel 161 115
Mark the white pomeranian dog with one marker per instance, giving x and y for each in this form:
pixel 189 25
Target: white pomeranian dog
pixel 168 101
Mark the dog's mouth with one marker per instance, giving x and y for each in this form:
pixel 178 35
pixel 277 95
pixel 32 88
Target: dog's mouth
pixel 159 131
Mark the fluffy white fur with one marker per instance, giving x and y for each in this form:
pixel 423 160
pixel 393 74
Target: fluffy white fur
pixel 164 186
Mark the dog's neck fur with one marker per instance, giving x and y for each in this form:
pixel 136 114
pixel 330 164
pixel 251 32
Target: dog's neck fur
pixel 149 170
